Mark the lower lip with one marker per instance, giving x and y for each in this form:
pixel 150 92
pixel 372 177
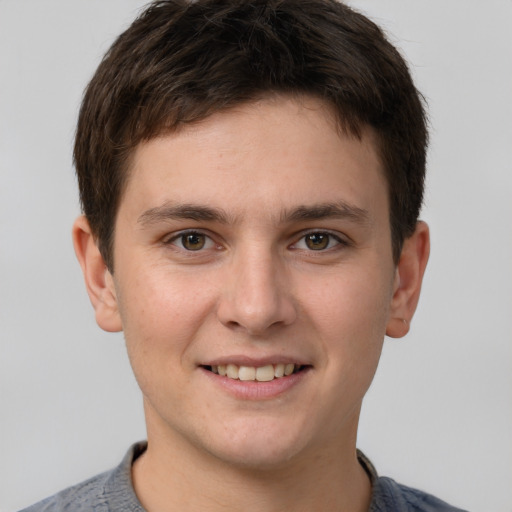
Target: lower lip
pixel 255 390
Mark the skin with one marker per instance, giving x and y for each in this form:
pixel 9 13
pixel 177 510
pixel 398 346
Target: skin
pixel 258 291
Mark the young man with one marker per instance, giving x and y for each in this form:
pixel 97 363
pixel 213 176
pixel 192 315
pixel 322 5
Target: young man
pixel 251 175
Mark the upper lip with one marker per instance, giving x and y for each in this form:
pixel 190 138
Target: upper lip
pixel 244 360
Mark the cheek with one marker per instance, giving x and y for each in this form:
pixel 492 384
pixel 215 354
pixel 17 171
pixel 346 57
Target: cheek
pixel 351 304
pixel 350 317
pixel 161 315
pixel 159 301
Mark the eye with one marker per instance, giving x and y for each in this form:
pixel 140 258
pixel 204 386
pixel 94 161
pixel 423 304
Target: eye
pixel 192 241
pixel 318 241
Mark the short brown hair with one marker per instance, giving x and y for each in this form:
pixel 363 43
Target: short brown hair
pixel 181 60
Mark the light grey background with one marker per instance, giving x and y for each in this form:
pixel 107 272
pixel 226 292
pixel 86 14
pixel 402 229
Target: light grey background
pixel 439 415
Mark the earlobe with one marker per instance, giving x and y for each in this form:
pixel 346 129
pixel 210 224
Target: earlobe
pixel 408 279
pixel 98 279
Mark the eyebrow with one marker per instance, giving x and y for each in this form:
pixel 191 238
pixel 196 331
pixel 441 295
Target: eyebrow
pixel 171 211
pixel 337 210
pixel 200 213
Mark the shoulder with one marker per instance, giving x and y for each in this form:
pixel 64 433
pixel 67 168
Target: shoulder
pixel 84 496
pixel 388 495
pixel 106 492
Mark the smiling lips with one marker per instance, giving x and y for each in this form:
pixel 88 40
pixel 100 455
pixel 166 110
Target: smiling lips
pixel 265 373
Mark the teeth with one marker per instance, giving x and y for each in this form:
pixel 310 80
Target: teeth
pixel 279 370
pixel 265 373
pixel 288 369
pixel 232 371
pixel 247 373
pixel 251 373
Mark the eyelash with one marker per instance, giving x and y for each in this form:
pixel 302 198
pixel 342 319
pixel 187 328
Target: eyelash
pixel 330 238
pixel 209 243
pixel 181 236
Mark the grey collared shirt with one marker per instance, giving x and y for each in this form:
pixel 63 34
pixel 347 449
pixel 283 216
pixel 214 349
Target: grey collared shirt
pixel 113 491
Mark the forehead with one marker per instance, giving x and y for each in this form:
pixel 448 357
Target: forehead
pixel 277 152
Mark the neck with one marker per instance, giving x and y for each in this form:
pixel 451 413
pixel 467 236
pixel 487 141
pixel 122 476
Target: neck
pixel 173 476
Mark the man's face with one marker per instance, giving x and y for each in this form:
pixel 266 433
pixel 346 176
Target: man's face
pixel 258 238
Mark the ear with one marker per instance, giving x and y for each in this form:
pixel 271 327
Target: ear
pixel 98 279
pixel 408 279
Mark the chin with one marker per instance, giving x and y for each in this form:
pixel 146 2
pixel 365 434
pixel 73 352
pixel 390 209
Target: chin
pixel 259 447
pixel 258 458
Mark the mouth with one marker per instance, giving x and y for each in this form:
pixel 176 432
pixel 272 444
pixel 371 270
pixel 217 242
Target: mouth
pixel 265 373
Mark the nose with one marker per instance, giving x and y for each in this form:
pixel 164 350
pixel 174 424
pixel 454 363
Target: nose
pixel 257 294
